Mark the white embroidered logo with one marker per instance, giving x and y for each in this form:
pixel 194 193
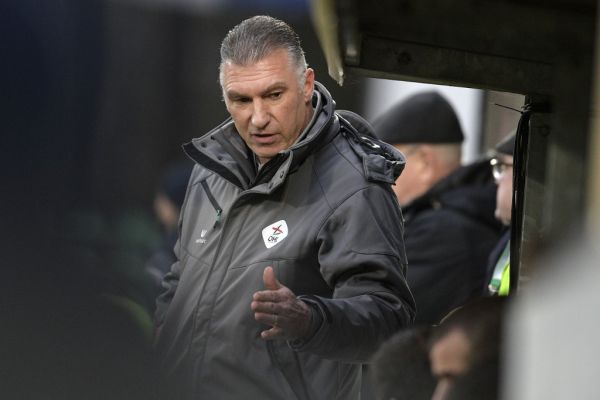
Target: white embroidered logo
pixel 202 240
pixel 275 233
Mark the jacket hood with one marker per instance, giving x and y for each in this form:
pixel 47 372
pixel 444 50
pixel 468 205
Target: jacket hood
pixel 381 161
pixel 469 190
pixel 223 151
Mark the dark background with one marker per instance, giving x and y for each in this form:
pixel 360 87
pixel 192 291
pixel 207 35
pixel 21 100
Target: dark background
pixel 97 98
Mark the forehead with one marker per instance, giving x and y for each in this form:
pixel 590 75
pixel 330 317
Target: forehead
pixel 275 68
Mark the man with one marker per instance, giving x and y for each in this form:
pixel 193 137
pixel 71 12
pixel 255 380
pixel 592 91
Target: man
pixel 465 345
pixel 289 273
pixel 499 263
pixel 448 208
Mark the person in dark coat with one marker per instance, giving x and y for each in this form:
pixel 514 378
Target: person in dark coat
pixel 498 273
pixel 448 209
pixel 289 273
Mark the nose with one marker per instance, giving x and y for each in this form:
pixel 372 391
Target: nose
pixel 260 115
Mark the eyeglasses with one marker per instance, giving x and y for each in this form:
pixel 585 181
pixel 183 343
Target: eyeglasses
pixel 499 167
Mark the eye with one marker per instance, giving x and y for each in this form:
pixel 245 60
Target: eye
pixel 239 100
pixel 275 95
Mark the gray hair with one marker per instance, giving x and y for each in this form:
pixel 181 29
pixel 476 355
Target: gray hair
pixel 256 38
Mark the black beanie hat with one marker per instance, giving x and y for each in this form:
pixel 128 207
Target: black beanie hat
pixel 507 145
pixel 426 117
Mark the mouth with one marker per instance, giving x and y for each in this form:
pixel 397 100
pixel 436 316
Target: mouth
pixel 264 138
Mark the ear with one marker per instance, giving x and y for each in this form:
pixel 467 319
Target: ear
pixel 309 85
pixel 427 164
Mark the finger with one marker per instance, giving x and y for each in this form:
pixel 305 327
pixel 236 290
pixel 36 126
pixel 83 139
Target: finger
pixel 271 282
pixel 268 296
pixel 266 307
pixel 272 333
pixel 267 319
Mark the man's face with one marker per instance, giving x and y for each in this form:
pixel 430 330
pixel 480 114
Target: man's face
pixel 449 358
pixel 504 191
pixel 267 104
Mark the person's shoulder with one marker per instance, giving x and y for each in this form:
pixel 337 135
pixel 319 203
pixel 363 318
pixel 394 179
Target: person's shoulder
pixel 356 146
pixel 438 217
pixel 361 125
pixel 338 170
pixel 340 173
pixel 198 174
pixel 431 218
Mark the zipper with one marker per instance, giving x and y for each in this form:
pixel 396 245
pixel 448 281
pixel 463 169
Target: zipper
pixel 214 203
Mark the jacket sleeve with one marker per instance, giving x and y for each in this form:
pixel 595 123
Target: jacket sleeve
pixel 361 256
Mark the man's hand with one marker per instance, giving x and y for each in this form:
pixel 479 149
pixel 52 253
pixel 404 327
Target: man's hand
pixel 278 306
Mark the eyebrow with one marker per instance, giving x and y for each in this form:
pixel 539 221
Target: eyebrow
pixel 232 94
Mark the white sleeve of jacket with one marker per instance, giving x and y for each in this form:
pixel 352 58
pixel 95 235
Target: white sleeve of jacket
pixel 361 256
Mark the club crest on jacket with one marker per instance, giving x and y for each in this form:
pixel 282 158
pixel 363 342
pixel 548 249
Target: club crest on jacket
pixel 275 233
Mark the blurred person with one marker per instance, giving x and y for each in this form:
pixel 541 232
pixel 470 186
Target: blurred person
pixel 400 369
pixel 66 334
pixel 289 274
pixel 168 201
pixel 448 209
pixel 498 275
pixel 469 338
